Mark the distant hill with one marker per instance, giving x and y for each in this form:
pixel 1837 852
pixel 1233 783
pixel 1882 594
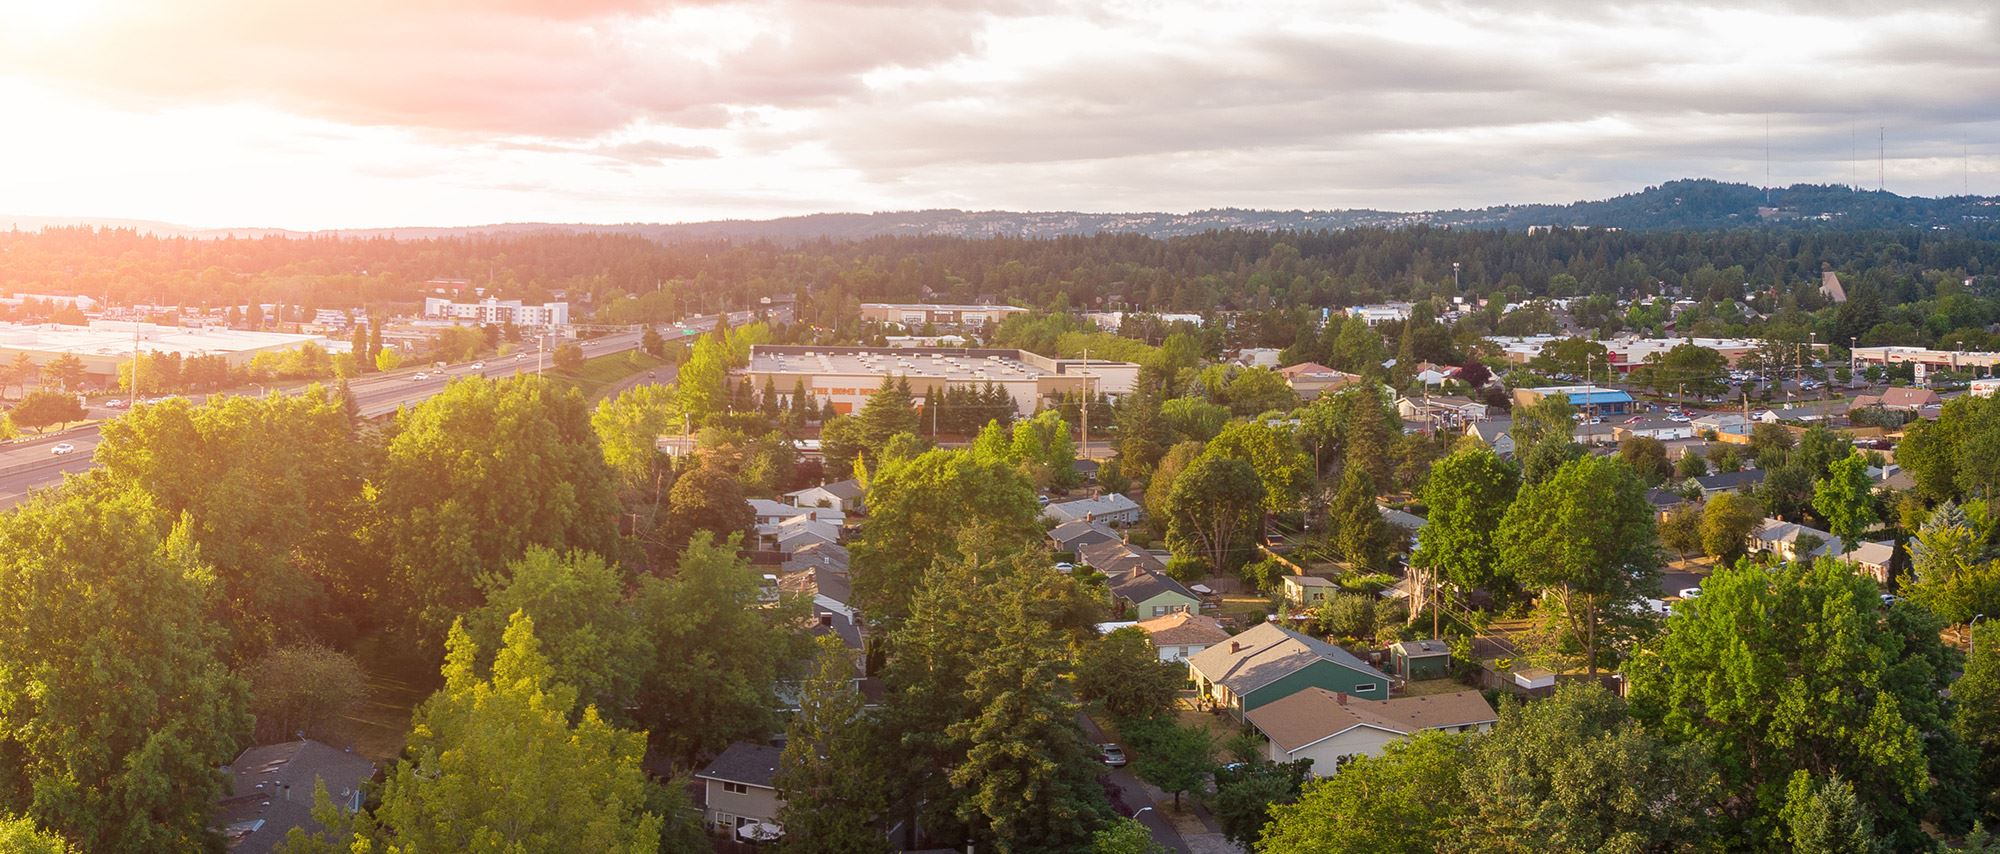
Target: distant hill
pixel 1699 204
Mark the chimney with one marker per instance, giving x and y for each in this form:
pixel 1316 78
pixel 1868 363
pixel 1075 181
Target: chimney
pixel 1340 697
pixel 826 620
pixel 1235 646
pixel 1090 517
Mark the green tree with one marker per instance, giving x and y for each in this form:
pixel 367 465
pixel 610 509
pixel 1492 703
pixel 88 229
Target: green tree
pixel 1160 487
pixel 1125 836
pixel 1726 522
pixel 1681 530
pixel 1468 494
pixel 476 475
pixel 67 370
pixel 711 628
pixel 1795 668
pixel 1824 817
pixel 1362 535
pixel 1401 802
pixel 707 499
pixel 1845 498
pixel 628 429
pixel 890 410
pixel 921 509
pixel 1949 572
pixel 1255 390
pixel 1176 758
pixel 1042 447
pixel 1214 511
pixel 1647 457
pixel 829 804
pixel 704 379
pixel 21 372
pixel 1122 672
pixel 1586 538
pixel 1690 465
pixel 1281 464
pixel 1350 616
pixel 1192 419
pixel 1976 717
pixel 1575 774
pixel 20 836
pixel 1243 805
pixel 496 765
pixel 40 410
pixel 584 623
pixel 115 708
pixel 304 688
pixel 388 359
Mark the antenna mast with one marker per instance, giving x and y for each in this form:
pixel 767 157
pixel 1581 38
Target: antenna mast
pixel 1881 159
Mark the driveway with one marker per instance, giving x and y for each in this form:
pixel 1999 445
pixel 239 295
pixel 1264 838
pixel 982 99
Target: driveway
pixel 1134 796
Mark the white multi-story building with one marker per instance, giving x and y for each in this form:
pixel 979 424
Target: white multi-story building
pixel 1376 315
pixel 846 376
pixel 495 310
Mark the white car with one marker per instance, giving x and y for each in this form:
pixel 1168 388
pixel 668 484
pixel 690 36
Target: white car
pixel 1065 566
pixel 478 366
pixel 1689 592
pixel 520 356
pixel 421 376
pixel 63 449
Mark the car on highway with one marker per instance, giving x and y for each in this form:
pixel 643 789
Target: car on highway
pixel 63 449
pixel 115 403
pixel 520 356
pixel 1111 754
pixel 478 366
pixel 420 375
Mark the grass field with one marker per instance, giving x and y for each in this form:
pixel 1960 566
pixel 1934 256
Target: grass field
pixel 603 371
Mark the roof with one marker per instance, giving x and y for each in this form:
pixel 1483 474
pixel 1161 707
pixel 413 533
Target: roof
pixel 1781 531
pixel 820 556
pixel 845 490
pixel 834 584
pixel 1069 534
pixel 1309 581
pixel 1489 431
pixel 1401 518
pixel 1117 556
pixel 271 790
pixel 1422 648
pixel 1269 652
pixel 766 507
pixel 1871 554
pixel 1661 498
pixel 1102 505
pixel 1139 584
pixel 1305 368
pixel 1316 714
pixel 1656 424
pixel 1908 397
pixel 1184 628
pixel 743 762
pixel 1586 394
pixel 826 621
pixel 1730 479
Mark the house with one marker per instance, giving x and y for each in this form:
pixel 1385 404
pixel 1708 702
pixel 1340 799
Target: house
pixel 1595 434
pixel 1420 659
pixel 1150 593
pixel 1898 400
pixel 1443 409
pixel 739 797
pixel 1182 634
pixel 826 556
pixel 1722 424
pixel 1656 428
pixel 791 535
pixel 1312 379
pixel 1115 558
pixel 1112 508
pixel 1782 539
pixel 1665 501
pixel 844 496
pixel 1493 434
pixel 1071 536
pixel 830 589
pixel 768 512
pixel 1329 727
pixel 1270 662
pixel 1729 481
pixel 1306 591
pixel 271 791
pixel 1409 523
pixel 1872 559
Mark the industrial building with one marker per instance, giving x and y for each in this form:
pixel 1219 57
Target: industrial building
pixel 1624 354
pixel 495 310
pixel 104 344
pixel 1588 399
pixel 914 314
pixel 1950 360
pixel 846 376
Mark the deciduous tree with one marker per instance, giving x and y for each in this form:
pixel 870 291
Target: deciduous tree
pixel 1215 510
pixel 1401 802
pixel 1467 495
pixel 1586 538
pixel 1122 672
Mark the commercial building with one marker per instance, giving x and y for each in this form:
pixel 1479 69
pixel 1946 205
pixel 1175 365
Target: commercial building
pixel 1945 359
pixel 912 314
pixel 1376 315
pixel 495 310
pixel 846 376
pixel 1625 354
pixel 1111 321
pixel 1585 398
pixel 104 344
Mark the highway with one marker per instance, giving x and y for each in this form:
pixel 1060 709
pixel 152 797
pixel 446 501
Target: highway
pixel 26 466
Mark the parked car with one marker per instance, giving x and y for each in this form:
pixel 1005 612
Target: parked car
pixel 1689 592
pixel 1065 566
pixel 1112 754
pixel 63 448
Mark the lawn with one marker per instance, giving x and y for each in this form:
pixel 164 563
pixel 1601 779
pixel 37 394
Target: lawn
pixel 603 371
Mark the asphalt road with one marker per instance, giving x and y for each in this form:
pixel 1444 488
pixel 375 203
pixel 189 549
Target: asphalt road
pixel 26 466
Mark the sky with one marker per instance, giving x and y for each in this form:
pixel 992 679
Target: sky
pixel 314 114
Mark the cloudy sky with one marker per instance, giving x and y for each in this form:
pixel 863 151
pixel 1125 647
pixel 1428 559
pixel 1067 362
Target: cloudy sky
pixel 349 113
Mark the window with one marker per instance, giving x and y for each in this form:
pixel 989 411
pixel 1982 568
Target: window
pixel 1363 688
pixel 736 788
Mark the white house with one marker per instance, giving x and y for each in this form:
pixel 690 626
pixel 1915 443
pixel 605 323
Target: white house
pixel 844 496
pixel 1329 727
pixel 1112 508
pixel 1662 429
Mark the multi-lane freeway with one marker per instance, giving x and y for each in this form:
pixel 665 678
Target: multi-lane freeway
pixel 24 466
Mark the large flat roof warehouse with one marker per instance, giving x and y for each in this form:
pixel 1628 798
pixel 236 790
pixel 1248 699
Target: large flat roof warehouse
pixel 105 343
pixel 847 375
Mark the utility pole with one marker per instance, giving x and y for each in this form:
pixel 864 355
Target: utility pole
pixel 1086 403
pixel 134 401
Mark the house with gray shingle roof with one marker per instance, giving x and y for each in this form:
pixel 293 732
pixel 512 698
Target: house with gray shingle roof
pixel 1270 662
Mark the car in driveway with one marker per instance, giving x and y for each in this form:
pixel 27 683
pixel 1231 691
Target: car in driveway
pixel 1689 592
pixel 1111 754
pixel 63 449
